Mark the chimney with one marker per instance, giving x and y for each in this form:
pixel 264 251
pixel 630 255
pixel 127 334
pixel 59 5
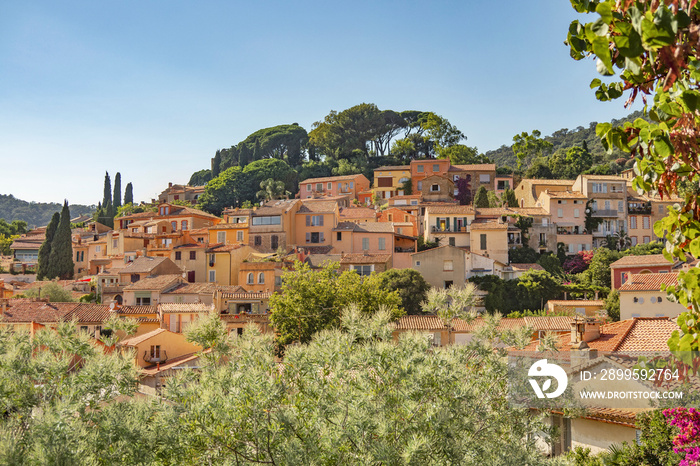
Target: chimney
pixel 583 331
pixel 170 185
pixel 4 304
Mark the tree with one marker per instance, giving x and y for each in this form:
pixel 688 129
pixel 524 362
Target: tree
pixel 52 291
pixel 528 147
pixel 481 200
pixel 260 170
pixel 117 197
pixel 312 300
pixel 494 201
pixel 598 272
pixel 570 163
pixel 651 49
pixel 612 305
pixel 509 198
pixel 216 164
pixel 198 178
pixel 551 264
pixel 524 255
pixel 44 265
pixel 457 302
pixel 619 241
pixel 464 190
pixel 107 196
pixel 222 191
pixel 541 286
pixel 459 154
pixel 410 285
pixel 129 194
pixel 271 189
pixel 61 256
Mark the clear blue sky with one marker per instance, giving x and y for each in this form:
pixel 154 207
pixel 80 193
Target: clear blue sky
pixel 152 89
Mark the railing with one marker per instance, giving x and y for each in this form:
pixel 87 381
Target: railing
pixel 435 229
pixel 605 213
pixel 154 359
pixel 639 210
pixel 404 250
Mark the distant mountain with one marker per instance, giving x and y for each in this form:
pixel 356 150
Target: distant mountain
pixel 564 139
pixel 36 214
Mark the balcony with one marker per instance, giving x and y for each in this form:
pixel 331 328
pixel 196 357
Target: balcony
pixel 604 233
pixel 161 357
pixel 637 209
pixel 605 213
pixel 401 250
pixel 457 229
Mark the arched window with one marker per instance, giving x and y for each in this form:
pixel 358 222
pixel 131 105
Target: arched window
pixel 261 278
pixel 250 278
pixel 173 225
pixel 184 225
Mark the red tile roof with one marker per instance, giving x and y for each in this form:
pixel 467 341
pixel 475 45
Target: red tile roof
pixel 358 212
pixel 89 313
pixel 649 281
pixel 450 209
pixel 520 267
pixel 141 338
pixel 29 310
pixel 476 167
pixel 649 260
pixel 331 178
pixel 360 258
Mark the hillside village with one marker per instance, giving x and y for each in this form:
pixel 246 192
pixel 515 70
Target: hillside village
pixel 172 264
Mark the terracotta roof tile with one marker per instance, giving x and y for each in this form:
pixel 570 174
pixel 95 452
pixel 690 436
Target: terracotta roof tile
pixel 577 302
pixel 92 313
pixel 184 307
pixel 360 258
pixel 144 264
pixel 28 310
pixel 159 282
pixel 393 168
pixel 357 212
pixel 450 209
pixel 650 260
pixel 313 205
pixel 492 225
pixel 476 167
pixel 135 310
pixel 141 338
pixel 331 178
pixel 193 288
pixel 649 281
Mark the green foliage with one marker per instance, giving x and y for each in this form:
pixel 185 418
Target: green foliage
pixel 107 195
pixel 271 189
pixel 494 201
pixel 35 214
pixel 612 305
pixel 481 199
pixel 198 178
pixel 509 198
pixel 598 272
pixel 44 266
pixel 407 187
pixel 424 245
pixel 61 255
pixel 524 223
pixel 52 291
pixel 9 232
pixel 551 264
pixel 410 285
pixel 222 192
pixel 283 142
pixel 524 255
pixel 459 154
pixel 528 147
pixel 312 300
pixel 129 194
pixel 117 197
pixel 570 163
pixel 216 165
pixel 531 291
pixel 591 222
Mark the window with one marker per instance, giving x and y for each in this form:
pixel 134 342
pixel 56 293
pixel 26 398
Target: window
pixel 577 213
pixel 261 278
pixel 363 270
pixel 98 248
pixel 436 167
pixel 329 186
pixel 620 207
pixel 560 212
pixel 250 280
pixel 308 188
pixel 212 276
pixel 314 237
pixel 143 301
pixel 319 186
pixel 155 351
pixel 419 168
pixel 365 244
pixel 220 236
pixel 193 255
pixel 274 242
pixel 278 281
pixel 417 263
pixel 339 236
pixel 634 240
pixel 484 178
pixel 482 238
pixel 239 236
pixel 382 244
pixel 646 240
pixel 447 266
pixel 115 243
pixel 77 256
pixel 173 226
pixel 258 240
pixel 607 205
pixel 314 220
pixel 419 186
pixel 267 220
pixel 645 222
pixel 178 255
pixel 352 184
pixel 434 188
pixel 451 241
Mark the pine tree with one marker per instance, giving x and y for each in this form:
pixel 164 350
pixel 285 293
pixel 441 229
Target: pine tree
pixel 107 197
pixel 129 194
pixel 482 198
pixel 43 264
pixel 117 198
pixel 61 257
pixel 216 164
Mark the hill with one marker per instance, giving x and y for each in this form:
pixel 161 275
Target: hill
pixel 566 138
pixel 36 214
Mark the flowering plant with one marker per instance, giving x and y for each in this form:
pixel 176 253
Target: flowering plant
pixel 688 440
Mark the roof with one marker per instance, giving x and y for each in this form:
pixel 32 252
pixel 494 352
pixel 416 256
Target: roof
pixel 144 264
pixel 137 310
pixel 331 178
pixel 450 209
pixel 316 260
pixel 141 338
pixel 393 167
pixel 248 295
pixel 649 281
pixel 490 225
pixel 185 307
pixel 31 310
pixel 491 167
pixel 359 258
pixel 565 195
pixel 159 282
pixel 577 302
pixel 313 205
pixel 278 206
pixel 433 322
pixel 84 313
pixel 221 247
pixel 365 227
pixel 528 211
pixel 520 267
pixel 194 288
pixel 170 363
pixel 649 260
pixel 604 177
pixel 357 212
pixel 549 182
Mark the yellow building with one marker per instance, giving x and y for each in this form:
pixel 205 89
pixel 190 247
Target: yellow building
pixel 224 262
pixel 158 346
pixel 389 180
pixel 490 239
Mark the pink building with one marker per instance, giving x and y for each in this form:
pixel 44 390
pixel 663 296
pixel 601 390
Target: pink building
pixel 333 186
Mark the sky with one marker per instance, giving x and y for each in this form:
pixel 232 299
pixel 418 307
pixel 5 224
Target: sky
pixel 153 89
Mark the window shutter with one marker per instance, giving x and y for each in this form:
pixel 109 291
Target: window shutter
pixel 308 220
pixel 448 223
pixel 308 237
pixel 321 236
pixel 320 220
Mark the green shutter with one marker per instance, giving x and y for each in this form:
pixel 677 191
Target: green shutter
pixel 447 223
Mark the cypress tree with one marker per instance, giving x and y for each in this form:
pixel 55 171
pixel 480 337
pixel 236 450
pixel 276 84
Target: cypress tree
pixel 43 264
pixel 61 257
pixel 129 194
pixel 109 216
pixel 117 198
pixel 107 197
pixel 216 164
pixel 482 198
